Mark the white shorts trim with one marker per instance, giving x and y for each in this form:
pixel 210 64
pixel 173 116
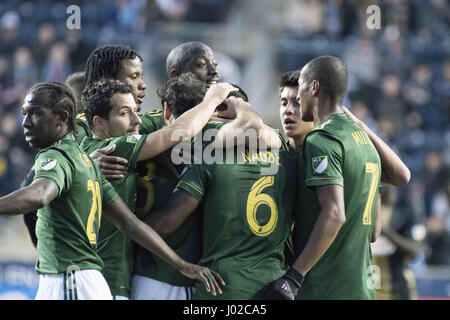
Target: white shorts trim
pixel 74 285
pixel 143 288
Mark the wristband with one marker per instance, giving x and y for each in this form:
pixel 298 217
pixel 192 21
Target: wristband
pixel 294 276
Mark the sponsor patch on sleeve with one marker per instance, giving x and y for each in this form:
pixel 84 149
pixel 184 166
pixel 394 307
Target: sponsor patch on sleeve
pixel 134 138
pixel 320 164
pixel 48 164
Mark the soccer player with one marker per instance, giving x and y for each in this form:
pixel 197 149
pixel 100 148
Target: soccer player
pixel 67 228
pixel 334 235
pixel 75 82
pixel 112 115
pixel 246 218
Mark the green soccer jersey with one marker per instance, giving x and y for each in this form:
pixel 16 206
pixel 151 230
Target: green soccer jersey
pixel 67 228
pixel 156 182
pixel 306 207
pixel 151 121
pixel 338 152
pixel 114 247
pixel 246 219
pixel 83 129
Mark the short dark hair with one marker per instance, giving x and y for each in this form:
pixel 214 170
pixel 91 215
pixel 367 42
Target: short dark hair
pixel 183 93
pixel 75 81
pixel 96 98
pixel 179 57
pixel 57 97
pixel 289 79
pixel 105 61
pixel 331 73
pixel 238 94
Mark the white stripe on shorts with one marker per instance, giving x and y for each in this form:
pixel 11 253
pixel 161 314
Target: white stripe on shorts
pixel 85 285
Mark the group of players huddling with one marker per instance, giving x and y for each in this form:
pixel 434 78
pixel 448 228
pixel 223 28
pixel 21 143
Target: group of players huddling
pixel 119 217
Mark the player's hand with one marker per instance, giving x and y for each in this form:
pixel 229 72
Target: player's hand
pixel 283 288
pixel 209 278
pixel 111 167
pixel 219 92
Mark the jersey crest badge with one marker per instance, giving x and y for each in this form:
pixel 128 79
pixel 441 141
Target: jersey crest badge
pixel 48 164
pixel 320 163
pixel 134 138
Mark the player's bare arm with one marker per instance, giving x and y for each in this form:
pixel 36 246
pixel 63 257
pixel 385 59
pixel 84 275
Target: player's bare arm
pixel 35 196
pixel 178 208
pixel 394 171
pixel 378 221
pixel 326 228
pixel 246 120
pixel 189 123
pixel 328 224
pixel 112 167
pixel 147 237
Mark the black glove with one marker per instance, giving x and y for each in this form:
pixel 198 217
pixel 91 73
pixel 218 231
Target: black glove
pixel 284 288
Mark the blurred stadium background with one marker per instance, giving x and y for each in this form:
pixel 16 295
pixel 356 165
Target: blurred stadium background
pixel 399 85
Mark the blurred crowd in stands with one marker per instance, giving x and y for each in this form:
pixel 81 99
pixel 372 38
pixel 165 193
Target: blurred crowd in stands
pixel 399 85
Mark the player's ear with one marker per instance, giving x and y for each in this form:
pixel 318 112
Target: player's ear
pixel 63 117
pixel 315 87
pixel 98 121
pixel 174 73
pixel 167 112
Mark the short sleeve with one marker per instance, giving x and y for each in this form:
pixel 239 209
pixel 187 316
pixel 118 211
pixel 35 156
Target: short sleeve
pixel 129 147
pixel 53 165
pixel 151 121
pixel 194 181
pixel 323 158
